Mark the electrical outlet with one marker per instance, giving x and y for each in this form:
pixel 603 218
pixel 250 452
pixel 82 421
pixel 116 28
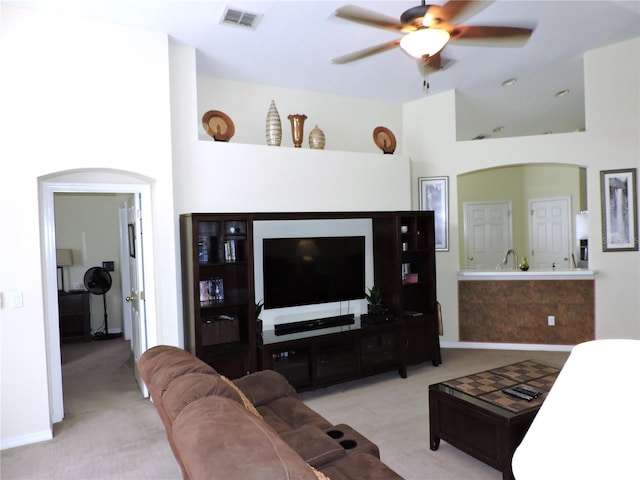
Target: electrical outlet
pixel 551 320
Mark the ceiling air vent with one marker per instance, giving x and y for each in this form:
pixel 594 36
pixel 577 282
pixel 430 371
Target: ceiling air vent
pixel 233 16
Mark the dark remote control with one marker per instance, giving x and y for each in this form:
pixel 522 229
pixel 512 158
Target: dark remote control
pixel 528 391
pixel 515 393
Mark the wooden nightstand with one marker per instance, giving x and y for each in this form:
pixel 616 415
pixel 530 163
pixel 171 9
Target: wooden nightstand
pixel 75 318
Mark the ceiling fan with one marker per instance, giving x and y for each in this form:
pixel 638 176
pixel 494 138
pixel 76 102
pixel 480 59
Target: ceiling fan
pixel 428 28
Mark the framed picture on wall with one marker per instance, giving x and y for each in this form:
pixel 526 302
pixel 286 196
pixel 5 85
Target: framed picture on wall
pixel 434 195
pixel 619 215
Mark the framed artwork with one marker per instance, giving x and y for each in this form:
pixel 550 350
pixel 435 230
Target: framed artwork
pixel 132 240
pixel 434 195
pixel 619 215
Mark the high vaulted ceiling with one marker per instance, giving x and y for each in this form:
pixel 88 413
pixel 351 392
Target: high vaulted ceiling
pixel 294 42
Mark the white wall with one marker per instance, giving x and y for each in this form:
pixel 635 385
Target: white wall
pixel 214 176
pixel 83 96
pixel 611 141
pixel 347 123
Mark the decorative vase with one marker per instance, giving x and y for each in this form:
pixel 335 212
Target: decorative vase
pixel 524 265
pixel 316 139
pixel 297 128
pixel 274 126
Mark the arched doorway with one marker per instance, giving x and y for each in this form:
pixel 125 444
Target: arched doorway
pixel 85 181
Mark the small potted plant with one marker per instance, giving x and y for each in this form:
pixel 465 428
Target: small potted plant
pixel 374 297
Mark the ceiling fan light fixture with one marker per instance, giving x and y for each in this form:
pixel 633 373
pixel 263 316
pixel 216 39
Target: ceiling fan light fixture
pixel 428 20
pixel 426 41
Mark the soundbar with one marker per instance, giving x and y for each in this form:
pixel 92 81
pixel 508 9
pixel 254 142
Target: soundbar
pixel 315 324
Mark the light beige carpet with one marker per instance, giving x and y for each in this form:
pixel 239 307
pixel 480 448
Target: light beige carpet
pixel 111 432
pixel 394 413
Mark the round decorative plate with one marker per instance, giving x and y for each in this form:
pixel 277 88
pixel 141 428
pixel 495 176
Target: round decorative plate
pixel 218 125
pixel 384 139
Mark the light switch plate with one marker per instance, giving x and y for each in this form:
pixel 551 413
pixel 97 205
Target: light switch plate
pixel 16 300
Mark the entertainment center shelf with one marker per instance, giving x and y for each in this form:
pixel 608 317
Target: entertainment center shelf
pixel 220 320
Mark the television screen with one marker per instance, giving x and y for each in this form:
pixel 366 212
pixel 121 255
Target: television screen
pixel 306 271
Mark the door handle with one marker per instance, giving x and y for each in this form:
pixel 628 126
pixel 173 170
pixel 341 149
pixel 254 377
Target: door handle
pixel 471 258
pixel 131 298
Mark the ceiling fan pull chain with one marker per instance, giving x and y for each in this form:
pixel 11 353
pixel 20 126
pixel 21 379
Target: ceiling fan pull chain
pixel 425 81
pixel 425 85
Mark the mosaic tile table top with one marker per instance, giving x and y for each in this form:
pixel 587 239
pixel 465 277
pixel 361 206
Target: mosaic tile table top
pixel 488 385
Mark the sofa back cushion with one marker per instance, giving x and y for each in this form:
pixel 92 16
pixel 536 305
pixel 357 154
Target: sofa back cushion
pixel 288 413
pixel 160 365
pixel 190 387
pixel 265 386
pixel 217 438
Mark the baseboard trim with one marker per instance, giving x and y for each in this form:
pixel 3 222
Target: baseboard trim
pixel 508 346
pixel 21 440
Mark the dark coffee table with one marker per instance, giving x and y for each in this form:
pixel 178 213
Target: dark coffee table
pixel 473 414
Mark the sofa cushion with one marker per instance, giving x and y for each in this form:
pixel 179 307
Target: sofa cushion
pixel 265 386
pixel 193 386
pixel 160 365
pixel 313 445
pixel 245 401
pixel 218 438
pixel 360 466
pixel 289 413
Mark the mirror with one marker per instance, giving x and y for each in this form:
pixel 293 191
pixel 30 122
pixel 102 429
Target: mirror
pixel 516 185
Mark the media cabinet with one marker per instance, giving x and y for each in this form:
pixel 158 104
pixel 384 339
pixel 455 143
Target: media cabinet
pixel 327 356
pixel 220 320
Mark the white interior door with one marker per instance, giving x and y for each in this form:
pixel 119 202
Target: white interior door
pixel 135 299
pixel 124 272
pixel 550 232
pixel 487 233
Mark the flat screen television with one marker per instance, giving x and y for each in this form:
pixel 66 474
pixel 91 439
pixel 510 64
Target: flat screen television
pixel 312 270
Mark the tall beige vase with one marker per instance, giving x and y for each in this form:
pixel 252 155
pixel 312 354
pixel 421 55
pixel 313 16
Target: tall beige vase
pixel 273 127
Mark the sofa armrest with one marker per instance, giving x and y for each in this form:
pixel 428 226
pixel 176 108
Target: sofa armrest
pixel 218 439
pixel 313 445
pixel 265 386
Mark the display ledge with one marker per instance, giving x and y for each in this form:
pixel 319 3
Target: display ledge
pixel 577 274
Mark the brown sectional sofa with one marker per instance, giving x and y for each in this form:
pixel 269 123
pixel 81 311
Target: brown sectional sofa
pixel 252 428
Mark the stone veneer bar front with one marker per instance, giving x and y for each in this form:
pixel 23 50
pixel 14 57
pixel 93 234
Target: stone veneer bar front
pixel 513 307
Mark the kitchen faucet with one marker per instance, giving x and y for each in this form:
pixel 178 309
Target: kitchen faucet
pixel 515 258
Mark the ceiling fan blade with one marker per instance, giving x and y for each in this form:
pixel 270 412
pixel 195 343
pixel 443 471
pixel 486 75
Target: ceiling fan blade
pixel 458 11
pixel 490 36
pixel 368 17
pixel 367 52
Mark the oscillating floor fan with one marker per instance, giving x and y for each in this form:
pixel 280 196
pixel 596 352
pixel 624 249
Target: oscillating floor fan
pixel 97 281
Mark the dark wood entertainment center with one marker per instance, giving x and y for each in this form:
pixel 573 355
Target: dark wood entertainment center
pixel 220 315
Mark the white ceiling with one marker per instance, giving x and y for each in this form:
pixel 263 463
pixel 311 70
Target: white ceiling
pixel 295 41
